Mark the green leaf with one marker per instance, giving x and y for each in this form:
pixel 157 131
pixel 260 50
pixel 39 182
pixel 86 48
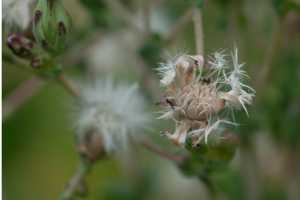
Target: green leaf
pixel 282 7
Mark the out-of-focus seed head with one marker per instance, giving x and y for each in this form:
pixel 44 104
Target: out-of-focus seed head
pixel 51 25
pixel 91 146
pixel 112 112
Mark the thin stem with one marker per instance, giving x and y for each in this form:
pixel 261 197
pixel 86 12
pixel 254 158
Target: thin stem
pixel 76 181
pixel 178 26
pixel 197 19
pixel 20 95
pixel 68 86
pixel 146 14
pixel 210 186
pixel 270 55
pixel 166 155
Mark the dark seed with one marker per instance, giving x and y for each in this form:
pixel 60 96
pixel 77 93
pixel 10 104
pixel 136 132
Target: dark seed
pixel 196 62
pixel 171 102
pixel 206 80
pixel 44 44
pixel 50 3
pixel 61 29
pixel 37 16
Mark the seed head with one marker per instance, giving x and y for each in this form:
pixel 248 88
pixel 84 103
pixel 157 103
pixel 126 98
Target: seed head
pixel 195 96
pixel 111 111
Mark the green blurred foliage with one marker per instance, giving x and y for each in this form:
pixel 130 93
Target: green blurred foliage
pixel 282 7
pixel 101 15
pixel 39 155
pixel 152 49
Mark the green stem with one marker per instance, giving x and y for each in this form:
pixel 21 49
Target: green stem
pixel 77 180
pixel 67 85
pixel 210 187
pixel 273 49
pixel 197 19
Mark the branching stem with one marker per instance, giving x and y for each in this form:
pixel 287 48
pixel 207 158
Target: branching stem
pixel 76 181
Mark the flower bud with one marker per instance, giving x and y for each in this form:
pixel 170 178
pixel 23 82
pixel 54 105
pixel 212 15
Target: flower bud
pixel 20 45
pixel 51 25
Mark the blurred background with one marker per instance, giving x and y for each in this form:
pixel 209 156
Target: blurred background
pixel 127 39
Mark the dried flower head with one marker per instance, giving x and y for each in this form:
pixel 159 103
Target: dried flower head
pixel 195 96
pixel 16 13
pixel 111 112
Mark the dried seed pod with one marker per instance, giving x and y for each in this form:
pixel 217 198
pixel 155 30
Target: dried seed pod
pixel 194 100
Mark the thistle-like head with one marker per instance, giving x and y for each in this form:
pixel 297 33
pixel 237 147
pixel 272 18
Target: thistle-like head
pixel 196 96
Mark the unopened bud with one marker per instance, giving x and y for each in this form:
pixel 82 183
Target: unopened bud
pixel 20 45
pixel 51 25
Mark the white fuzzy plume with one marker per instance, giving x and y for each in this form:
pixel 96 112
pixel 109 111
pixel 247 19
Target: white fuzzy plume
pixel 16 13
pixel 167 71
pixel 240 93
pixel 114 111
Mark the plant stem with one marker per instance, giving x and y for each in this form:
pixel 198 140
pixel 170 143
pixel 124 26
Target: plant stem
pixel 67 85
pixel 264 74
pixel 197 19
pixel 166 155
pixel 178 26
pixel 20 95
pixel 76 181
pixel 209 186
pixel 146 15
